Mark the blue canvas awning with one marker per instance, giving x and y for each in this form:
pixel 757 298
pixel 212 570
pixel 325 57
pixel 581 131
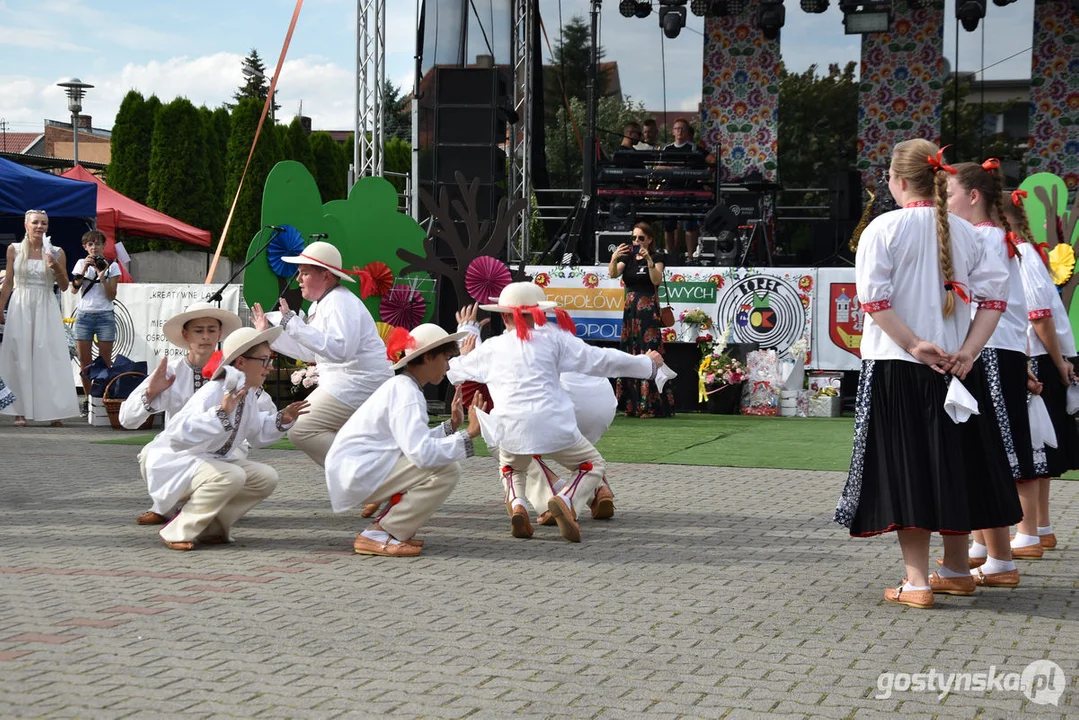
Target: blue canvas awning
pixel 23 188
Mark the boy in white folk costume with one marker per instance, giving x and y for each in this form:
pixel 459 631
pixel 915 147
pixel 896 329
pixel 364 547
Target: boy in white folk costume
pixel 201 450
pixel 339 335
pixel 533 414
pixel 387 453
pixel 198 330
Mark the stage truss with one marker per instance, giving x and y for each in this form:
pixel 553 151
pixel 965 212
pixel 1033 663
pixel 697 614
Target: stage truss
pixel 520 135
pixel 370 135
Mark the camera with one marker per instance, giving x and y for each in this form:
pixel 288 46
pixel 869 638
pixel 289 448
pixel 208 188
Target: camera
pixel 99 262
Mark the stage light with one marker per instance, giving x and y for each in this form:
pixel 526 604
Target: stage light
pixel 627 8
pixel 1003 3
pixel 815 6
pixel 771 15
pixel 970 13
pixel 644 9
pixel 862 18
pixel 700 8
pixel 672 17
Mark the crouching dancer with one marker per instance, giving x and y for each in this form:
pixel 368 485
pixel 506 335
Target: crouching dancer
pixel 199 455
pixel 197 330
pixel 387 452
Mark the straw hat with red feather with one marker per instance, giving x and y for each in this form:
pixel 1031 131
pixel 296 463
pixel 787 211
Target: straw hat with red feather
pixel 520 298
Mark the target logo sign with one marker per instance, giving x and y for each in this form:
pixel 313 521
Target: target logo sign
pixel 765 309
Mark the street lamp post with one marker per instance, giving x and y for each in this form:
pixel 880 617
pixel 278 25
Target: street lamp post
pixel 76 90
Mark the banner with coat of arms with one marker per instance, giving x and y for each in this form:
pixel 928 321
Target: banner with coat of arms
pixel 837 344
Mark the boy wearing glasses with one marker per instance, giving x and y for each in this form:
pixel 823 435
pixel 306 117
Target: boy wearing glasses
pixel 201 451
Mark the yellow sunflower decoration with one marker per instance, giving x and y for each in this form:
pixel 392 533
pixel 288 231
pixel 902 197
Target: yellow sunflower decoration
pixel 1061 263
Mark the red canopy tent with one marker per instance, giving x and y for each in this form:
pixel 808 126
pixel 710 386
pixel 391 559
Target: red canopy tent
pixel 117 212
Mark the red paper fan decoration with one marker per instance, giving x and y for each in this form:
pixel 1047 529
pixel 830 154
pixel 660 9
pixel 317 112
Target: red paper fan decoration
pixel 403 307
pixel 380 279
pixel 486 277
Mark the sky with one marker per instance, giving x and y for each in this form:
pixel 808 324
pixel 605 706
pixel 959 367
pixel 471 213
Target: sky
pixel 194 49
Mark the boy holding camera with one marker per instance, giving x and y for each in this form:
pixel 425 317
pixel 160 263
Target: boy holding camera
pixel 94 279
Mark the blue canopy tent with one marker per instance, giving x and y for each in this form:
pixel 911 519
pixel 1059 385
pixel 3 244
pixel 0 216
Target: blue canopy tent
pixel 71 205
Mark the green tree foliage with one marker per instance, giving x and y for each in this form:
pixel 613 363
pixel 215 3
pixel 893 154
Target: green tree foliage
pixel 256 81
pixel 572 55
pixel 564 154
pixel 298 145
pixel 215 172
pixel 132 135
pixel 812 143
pixel 974 142
pixel 396 114
pixel 397 158
pixel 331 168
pixel 246 219
pixel 180 179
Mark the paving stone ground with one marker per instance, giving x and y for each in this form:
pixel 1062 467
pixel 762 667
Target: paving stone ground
pixel 714 593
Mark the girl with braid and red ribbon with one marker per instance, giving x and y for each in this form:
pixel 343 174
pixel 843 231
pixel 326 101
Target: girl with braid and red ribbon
pixel 1052 351
pixel 532 414
pixel 915 269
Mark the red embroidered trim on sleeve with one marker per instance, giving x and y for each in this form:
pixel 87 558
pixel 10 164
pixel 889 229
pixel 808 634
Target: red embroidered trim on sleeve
pixel 1039 314
pixel 872 307
pixel 1001 305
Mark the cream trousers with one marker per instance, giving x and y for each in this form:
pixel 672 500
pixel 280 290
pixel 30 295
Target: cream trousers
pixel 221 493
pixel 314 432
pixel 532 484
pixel 422 493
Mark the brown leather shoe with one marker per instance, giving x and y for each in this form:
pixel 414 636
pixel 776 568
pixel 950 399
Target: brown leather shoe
pixel 952 586
pixel 603 503
pixel 367 546
pixel 1049 542
pixel 545 518
pixel 563 515
pixel 151 518
pixel 369 510
pixel 520 525
pixel 1030 552
pixel 1007 579
pixel 414 542
pixel 181 546
pixel 972 561
pixel 922 599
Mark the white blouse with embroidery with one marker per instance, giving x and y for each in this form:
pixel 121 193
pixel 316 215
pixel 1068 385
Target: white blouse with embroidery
pixel 1043 300
pixel 1011 332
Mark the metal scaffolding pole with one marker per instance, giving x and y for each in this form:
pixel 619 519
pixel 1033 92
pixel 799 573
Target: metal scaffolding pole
pixel 520 135
pixel 370 136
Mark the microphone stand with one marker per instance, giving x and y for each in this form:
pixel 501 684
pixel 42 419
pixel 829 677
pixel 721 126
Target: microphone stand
pixel 217 296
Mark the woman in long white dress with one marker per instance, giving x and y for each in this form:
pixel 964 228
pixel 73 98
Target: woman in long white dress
pixel 34 360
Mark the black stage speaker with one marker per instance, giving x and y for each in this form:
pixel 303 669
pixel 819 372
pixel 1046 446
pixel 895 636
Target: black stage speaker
pixel 845 195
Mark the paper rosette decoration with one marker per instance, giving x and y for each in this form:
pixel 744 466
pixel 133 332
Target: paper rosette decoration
pixel 384 330
pixel 402 306
pixel 375 279
pixel 485 278
pixel 286 243
pixel 1061 263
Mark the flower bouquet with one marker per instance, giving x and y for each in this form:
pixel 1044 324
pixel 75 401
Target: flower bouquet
pixel 693 322
pixel 304 380
pixel 718 372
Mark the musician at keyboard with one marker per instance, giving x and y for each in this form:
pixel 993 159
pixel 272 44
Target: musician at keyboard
pixel 683 143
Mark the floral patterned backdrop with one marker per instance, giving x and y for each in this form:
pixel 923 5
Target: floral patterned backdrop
pixel 900 94
pixel 1054 92
pixel 740 103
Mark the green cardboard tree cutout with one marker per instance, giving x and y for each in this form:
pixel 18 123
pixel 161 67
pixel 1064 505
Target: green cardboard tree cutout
pixel 367 227
pixel 1046 202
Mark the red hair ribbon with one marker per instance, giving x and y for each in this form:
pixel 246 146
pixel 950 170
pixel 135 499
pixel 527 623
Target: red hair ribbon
pixel 212 364
pixel 1043 251
pixel 937 163
pixel 1012 241
pixel 565 321
pixel 399 341
pixel 538 317
pixel 1018 196
pixel 991 164
pixel 959 289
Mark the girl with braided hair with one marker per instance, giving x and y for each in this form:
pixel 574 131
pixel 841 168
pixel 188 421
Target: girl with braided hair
pixel 1051 348
pixel 909 468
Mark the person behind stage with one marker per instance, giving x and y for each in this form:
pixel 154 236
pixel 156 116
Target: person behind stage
pixel 34 359
pixel 909 468
pixel 649 136
pixel 201 456
pixel 641 268
pixel 339 335
pixel 387 452
pixel 683 143
pixel 631 136
pixel 532 414
pixel 198 330
pixel 94 280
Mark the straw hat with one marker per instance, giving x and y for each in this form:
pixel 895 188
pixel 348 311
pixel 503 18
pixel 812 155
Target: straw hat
pixel 174 326
pixel 427 337
pixel 240 342
pixel 323 255
pixel 520 295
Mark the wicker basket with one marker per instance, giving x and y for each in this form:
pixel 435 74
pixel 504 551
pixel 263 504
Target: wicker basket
pixel 112 406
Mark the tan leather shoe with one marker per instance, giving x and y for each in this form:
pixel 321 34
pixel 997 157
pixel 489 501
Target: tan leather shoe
pixel 151 518
pixel 545 518
pixel 972 561
pixel 367 546
pixel 1030 552
pixel 1007 579
pixel 1049 542
pixel 563 515
pixel 921 599
pixel 520 525
pixel 603 504
pixel 181 546
pixel 952 586
pixel 369 510
pixel 415 542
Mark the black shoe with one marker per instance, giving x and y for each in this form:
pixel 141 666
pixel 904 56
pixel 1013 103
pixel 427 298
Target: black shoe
pixel 84 408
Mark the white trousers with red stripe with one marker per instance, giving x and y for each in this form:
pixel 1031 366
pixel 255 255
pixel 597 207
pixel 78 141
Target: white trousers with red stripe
pixel 529 483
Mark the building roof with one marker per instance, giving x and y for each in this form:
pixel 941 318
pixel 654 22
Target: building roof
pixel 18 142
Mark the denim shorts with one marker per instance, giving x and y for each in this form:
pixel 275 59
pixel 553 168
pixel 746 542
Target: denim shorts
pixel 102 324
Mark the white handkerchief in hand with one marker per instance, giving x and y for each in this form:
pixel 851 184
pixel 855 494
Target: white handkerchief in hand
pixel 489 429
pixel 1041 426
pixel 959 403
pixel 663 374
pixel 1073 400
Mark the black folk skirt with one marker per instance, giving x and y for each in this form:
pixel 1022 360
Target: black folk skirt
pixel 1054 462
pixel 909 467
